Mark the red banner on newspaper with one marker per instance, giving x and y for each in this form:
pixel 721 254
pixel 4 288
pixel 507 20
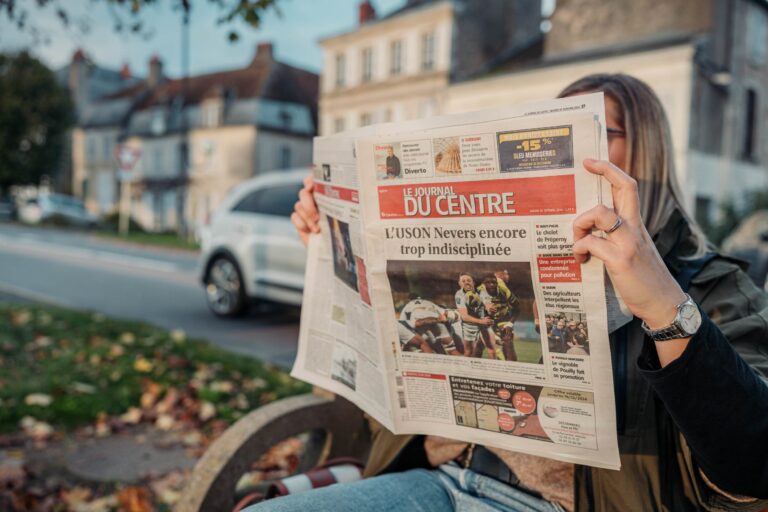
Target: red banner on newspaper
pixel 559 269
pixel 345 194
pixel 424 375
pixel 551 195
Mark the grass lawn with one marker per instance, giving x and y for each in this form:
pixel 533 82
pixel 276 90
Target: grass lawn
pixel 528 351
pixel 67 368
pixel 169 240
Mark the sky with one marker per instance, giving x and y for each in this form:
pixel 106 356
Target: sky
pixel 295 34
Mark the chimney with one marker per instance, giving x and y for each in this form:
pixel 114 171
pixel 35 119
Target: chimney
pixel 265 50
pixel 78 56
pixel 365 12
pixel 155 71
pixel 125 72
pixel 78 78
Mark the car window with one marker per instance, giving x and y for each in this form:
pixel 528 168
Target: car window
pixel 276 200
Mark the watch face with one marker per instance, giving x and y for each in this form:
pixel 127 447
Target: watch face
pixel 689 318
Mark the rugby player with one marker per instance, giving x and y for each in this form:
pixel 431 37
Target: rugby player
pixel 474 322
pixel 432 323
pixel 503 306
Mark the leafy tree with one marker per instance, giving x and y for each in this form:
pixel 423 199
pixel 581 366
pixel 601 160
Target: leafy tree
pixel 35 113
pixel 127 14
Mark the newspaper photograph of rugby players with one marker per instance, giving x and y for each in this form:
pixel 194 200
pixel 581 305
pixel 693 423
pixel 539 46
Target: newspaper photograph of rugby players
pixel 477 310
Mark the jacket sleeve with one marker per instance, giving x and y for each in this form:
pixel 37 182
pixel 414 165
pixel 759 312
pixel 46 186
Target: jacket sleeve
pixel 717 391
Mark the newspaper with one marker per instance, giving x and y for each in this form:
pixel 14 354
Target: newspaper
pixel 442 296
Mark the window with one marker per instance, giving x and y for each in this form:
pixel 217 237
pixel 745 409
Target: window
pixel 286 119
pixel 157 161
pixel 211 113
pixel 284 158
pixel 106 150
pixel 396 58
pixel 340 70
pixel 367 65
pixel 428 51
pixel 277 200
pixel 157 124
pixel 90 142
pixel 338 125
pixel 750 126
pixel 757 37
pixel 365 119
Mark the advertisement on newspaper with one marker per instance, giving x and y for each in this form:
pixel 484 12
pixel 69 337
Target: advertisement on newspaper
pixel 453 304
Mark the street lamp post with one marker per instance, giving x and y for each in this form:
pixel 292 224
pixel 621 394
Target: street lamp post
pixel 183 228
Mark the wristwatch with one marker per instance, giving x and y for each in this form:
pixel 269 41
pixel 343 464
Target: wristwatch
pixel 687 321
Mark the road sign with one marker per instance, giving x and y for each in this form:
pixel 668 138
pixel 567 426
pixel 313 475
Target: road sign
pixel 127 157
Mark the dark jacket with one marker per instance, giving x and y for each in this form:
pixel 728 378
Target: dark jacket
pixel 703 416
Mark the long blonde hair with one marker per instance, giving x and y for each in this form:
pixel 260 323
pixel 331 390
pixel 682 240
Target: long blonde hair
pixel 650 157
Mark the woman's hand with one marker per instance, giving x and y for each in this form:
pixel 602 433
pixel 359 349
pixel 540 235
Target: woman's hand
pixel 637 271
pixel 305 216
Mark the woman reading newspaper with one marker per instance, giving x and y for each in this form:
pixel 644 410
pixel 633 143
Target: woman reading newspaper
pixel 690 369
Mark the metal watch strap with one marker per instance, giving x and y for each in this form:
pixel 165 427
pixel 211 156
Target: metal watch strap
pixel 671 332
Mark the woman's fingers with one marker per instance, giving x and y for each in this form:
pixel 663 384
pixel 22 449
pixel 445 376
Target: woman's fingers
pixel 599 217
pixel 310 219
pixel 595 246
pixel 309 182
pixel 300 226
pixel 624 188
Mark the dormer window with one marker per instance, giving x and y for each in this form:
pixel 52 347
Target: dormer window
pixel 157 124
pixel 285 120
pixel 211 113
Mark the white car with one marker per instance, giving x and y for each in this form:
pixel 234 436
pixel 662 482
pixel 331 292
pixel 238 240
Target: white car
pixel 250 249
pixel 56 208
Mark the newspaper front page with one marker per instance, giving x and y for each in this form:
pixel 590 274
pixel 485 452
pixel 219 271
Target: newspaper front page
pixel 442 296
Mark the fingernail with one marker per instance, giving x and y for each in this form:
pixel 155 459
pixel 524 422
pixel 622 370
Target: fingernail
pixel 589 160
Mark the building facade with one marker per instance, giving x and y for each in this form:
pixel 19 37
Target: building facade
pixel 198 137
pixel 706 60
pixel 398 67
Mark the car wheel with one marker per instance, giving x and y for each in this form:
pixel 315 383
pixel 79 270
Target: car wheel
pixel 224 289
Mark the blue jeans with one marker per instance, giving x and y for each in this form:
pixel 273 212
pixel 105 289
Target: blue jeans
pixel 418 490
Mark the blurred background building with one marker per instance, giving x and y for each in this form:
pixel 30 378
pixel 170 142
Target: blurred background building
pixel 237 124
pixel 706 59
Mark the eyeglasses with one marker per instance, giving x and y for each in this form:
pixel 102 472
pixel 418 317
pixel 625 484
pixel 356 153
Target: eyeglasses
pixel 615 132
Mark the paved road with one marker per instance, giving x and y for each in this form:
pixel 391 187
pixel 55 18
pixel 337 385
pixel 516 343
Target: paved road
pixel 82 271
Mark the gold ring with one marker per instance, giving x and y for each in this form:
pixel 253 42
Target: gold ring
pixel 615 226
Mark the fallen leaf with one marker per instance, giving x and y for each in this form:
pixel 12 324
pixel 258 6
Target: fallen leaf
pixel 82 387
pixel 222 386
pixel 132 416
pixel 43 341
pixel 40 399
pixel 134 499
pixel 165 422
pixel 127 338
pixel 20 318
pixel 178 336
pixel 74 498
pixel 207 411
pixel 116 351
pixel 143 365
pixel 150 394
